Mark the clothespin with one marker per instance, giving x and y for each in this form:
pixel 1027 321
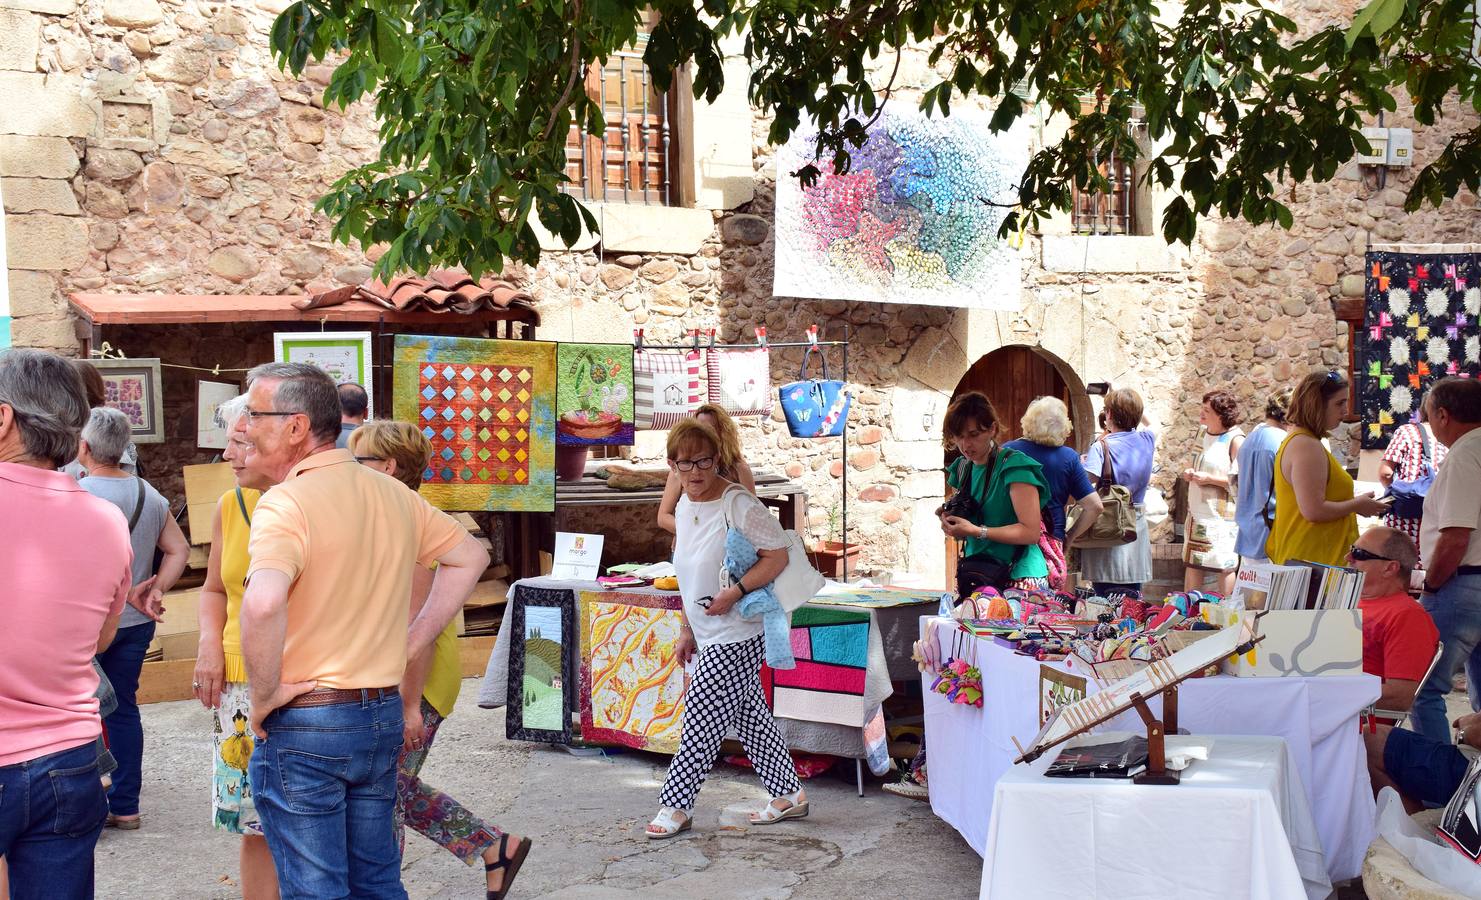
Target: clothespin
pixel 694 336
pixel 761 335
pixel 812 335
pixel 216 369
pixel 323 320
pixel 638 338
pixel 710 332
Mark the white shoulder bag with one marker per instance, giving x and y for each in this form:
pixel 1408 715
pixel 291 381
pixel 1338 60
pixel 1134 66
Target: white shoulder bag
pixel 799 581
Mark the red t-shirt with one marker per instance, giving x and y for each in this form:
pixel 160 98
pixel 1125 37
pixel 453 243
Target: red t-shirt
pixel 1399 639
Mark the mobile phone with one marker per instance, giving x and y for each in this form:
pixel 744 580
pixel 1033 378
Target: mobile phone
pixel 1098 388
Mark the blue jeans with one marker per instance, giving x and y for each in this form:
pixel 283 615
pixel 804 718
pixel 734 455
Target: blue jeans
pixel 324 781
pixel 1456 609
pixel 51 812
pixel 121 662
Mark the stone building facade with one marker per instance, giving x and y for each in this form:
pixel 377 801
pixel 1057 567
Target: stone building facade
pixel 152 146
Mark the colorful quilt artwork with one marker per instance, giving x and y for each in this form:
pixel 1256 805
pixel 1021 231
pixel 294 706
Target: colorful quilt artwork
pixel 542 656
pixel 1420 324
pixel 594 402
pixel 831 647
pixel 488 407
pixel 878 597
pixel 914 220
pixel 632 683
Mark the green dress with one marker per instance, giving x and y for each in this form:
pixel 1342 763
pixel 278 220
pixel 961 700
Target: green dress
pixel 1012 467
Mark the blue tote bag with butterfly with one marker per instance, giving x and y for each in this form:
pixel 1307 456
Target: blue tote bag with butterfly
pixel 815 407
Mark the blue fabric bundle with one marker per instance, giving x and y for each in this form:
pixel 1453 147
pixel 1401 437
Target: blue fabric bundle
pixel 740 556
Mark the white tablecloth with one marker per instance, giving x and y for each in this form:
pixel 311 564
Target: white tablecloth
pixel 1237 826
pixel 970 749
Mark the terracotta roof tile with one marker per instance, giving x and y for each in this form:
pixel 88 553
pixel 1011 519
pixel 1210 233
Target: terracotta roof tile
pixel 442 290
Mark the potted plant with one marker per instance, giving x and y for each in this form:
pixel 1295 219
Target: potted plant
pixel 832 556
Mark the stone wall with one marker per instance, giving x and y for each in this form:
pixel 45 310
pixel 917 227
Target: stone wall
pixel 153 146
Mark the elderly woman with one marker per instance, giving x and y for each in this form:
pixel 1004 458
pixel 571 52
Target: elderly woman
pixel 1316 514
pixel 97 396
pixel 725 691
pixel 429 689
pixel 1210 531
pixel 713 415
pixel 220 672
pixel 1122 569
pixel 104 439
pixel 1046 427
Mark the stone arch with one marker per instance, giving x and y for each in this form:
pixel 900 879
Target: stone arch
pixel 1013 375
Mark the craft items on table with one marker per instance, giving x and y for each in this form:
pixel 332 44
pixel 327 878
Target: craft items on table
pixel 914 220
pixel 210 430
pixel 594 395
pixel 632 683
pixel 739 381
pixel 665 387
pixel 345 355
pixel 488 407
pixel 542 677
pixel 132 386
pixel 815 407
pixel 1421 313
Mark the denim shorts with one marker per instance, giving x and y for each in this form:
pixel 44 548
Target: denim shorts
pixel 1423 769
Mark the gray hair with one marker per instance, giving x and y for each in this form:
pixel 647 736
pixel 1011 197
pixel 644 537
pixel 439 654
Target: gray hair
pixel 46 394
pixel 107 434
pixel 1046 421
pixel 304 388
pixel 1398 547
pixel 228 413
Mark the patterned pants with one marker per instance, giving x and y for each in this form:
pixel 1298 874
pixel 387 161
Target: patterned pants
pixel 726 691
pixel 433 814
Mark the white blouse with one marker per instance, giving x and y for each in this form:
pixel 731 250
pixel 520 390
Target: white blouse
pixel 699 553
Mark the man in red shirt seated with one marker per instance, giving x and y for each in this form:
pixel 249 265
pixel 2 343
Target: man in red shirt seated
pixel 1399 639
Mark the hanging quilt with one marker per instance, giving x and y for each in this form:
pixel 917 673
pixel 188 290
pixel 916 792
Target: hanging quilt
pixel 1420 324
pixel 665 387
pixel 879 597
pixel 739 381
pixel 831 647
pixel 632 683
pixel 594 399
pixel 488 407
pixel 914 220
pixel 542 665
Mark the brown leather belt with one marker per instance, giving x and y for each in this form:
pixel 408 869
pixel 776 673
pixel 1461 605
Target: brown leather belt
pixel 329 696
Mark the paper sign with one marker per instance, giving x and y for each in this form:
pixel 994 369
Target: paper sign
pixel 209 428
pixel 577 556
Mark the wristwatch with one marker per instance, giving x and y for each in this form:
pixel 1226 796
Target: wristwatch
pixel 982 532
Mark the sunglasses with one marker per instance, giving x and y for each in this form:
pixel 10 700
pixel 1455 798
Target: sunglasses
pixel 1335 382
pixel 1358 554
pixel 366 459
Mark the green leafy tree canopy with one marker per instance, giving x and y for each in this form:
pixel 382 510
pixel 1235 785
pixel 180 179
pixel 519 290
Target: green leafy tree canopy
pixel 475 98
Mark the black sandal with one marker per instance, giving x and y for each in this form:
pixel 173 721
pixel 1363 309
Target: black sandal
pixel 511 864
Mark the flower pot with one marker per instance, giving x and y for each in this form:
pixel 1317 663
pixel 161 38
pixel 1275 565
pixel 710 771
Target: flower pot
pixel 828 557
pixel 570 462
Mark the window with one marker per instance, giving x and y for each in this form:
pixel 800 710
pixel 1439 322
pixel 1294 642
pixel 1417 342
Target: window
pixel 633 160
pixel 1112 212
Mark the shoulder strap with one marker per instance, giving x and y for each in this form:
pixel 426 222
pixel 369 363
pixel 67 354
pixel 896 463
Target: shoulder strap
pixel 1107 471
pixel 242 505
pixel 138 505
pixel 1424 445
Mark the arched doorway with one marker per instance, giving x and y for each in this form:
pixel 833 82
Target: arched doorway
pixel 1012 377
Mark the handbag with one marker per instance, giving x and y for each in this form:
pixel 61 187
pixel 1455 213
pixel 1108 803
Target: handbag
pixel 799 582
pixel 1116 524
pixel 1409 495
pixel 740 381
pixel 815 407
pixel 665 387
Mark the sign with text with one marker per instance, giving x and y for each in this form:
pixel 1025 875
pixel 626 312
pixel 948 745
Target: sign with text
pixel 577 556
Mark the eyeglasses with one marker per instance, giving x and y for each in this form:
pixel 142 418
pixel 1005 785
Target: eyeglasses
pixel 1358 554
pixel 366 459
pixel 704 464
pixel 263 413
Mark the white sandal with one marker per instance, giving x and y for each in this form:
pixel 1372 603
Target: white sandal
pixel 772 814
pixel 667 821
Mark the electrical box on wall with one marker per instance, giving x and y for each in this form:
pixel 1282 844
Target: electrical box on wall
pixel 1378 140
pixel 1400 147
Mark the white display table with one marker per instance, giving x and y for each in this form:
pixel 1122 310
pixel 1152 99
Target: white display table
pixel 1237 826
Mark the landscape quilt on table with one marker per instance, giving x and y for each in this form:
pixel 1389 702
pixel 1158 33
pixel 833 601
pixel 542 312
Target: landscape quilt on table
pixel 1420 324
pixel 914 220
pixel 831 647
pixel 542 665
pixel 488 407
pixel 594 399
pixel 632 683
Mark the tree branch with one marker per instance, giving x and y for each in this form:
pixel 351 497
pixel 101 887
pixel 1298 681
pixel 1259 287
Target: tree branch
pixel 576 75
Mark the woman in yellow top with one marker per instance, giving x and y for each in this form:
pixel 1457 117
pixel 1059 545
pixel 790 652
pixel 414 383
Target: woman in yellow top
pixel 428 691
pixel 220 681
pixel 1316 514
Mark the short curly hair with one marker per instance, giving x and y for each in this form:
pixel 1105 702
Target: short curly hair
pixel 1046 421
pixel 1224 406
pixel 1277 404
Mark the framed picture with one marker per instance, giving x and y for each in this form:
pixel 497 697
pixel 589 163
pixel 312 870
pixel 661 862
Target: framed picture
pixel 210 430
pixel 345 355
pixel 594 395
pixel 542 666
pixel 632 681
pixel 132 387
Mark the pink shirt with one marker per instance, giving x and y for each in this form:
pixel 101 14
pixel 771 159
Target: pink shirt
pixel 64 568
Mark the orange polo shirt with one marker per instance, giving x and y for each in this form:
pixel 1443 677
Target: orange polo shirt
pixel 348 536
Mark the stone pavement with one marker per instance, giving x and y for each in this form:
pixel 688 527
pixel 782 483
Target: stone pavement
pixel 586 815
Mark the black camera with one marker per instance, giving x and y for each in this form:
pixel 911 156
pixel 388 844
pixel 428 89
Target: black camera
pixel 962 506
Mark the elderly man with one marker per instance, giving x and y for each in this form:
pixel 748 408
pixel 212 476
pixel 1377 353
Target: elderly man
pixel 325 638
pixel 64 578
pixel 1399 639
pixel 354 406
pixel 1450 544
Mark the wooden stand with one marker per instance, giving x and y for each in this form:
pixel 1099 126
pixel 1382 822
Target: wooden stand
pixel 1157 772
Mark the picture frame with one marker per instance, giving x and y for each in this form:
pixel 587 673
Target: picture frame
pixel 346 355
pixel 541 675
pixel 133 387
pixel 210 430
